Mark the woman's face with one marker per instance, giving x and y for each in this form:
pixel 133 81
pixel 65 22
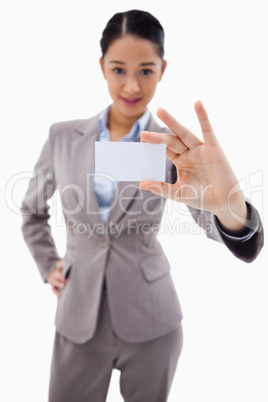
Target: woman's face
pixel 132 69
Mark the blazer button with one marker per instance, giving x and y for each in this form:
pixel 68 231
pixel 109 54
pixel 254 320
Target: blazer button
pixel 104 243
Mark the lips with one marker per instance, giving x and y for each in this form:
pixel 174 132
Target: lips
pixel 131 101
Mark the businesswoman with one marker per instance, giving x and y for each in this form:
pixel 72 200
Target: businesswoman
pixel 117 305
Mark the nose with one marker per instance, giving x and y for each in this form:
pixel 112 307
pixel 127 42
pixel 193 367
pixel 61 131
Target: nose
pixel 132 84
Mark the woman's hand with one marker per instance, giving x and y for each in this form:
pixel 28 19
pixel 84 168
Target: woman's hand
pixel 56 278
pixel 205 179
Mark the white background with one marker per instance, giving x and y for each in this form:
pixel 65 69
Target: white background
pixel 216 52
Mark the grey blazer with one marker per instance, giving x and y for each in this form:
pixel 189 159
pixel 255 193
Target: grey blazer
pixel 142 297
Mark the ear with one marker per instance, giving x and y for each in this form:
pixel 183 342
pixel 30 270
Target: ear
pixel 163 69
pixel 102 65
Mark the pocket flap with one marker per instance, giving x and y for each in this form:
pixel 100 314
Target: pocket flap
pixel 155 267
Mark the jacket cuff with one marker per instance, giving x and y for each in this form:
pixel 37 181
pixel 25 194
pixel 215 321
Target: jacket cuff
pixel 251 228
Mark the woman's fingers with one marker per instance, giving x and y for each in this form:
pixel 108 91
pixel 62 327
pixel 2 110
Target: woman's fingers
pixel 172 156
pixel 172 141
pixel 56 279
pixel 158 188
pixel 56 291
pixel 59 283
pixel 208 133
pixel 56 285
pixel 185 136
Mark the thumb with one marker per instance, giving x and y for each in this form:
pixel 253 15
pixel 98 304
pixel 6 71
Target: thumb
pixel 59 265
pixel 159 188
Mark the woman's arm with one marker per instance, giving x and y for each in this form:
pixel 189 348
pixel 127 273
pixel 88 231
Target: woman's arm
pixel 35 212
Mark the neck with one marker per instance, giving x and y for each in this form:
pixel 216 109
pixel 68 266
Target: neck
pixel 119 124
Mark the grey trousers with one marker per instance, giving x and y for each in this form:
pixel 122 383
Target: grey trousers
pixel 82 372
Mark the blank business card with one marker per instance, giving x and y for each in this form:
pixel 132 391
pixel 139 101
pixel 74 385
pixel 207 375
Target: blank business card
pixel 130 161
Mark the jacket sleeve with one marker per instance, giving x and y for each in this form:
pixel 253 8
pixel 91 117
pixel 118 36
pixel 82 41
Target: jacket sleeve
pixel 35 213
pixel 245 247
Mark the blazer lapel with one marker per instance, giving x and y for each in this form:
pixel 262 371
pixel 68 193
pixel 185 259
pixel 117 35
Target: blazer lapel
pixel 85 167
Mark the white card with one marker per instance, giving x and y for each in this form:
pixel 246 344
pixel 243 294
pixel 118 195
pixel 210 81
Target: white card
pixel 130 161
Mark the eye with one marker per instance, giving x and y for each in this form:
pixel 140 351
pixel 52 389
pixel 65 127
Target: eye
pixel 146 71
pixel 118 70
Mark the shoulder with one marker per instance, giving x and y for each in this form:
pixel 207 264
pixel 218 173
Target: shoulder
pixel 72 128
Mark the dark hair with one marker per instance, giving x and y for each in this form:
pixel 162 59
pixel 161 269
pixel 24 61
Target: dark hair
pixel 134 22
